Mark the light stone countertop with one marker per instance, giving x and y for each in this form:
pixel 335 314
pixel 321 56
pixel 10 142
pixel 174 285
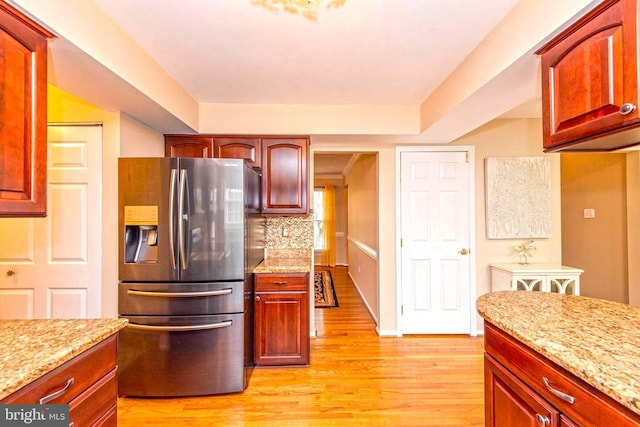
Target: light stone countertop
pixel 596 340
pixel 30 349
pixel 284 265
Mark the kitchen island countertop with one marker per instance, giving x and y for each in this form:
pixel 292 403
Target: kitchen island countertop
pixel 596 340
pixel 30 349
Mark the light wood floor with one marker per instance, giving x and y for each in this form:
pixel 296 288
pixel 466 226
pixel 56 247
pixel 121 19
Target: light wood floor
pixel 355 378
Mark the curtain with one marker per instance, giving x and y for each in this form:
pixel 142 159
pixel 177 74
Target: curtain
pixel 329 229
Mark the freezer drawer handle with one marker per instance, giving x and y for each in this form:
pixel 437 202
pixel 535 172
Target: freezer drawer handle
pixel 224 324
pixel 48 398
pixel 227 291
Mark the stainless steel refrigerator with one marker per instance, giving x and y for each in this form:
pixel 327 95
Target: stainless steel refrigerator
pixel 190 235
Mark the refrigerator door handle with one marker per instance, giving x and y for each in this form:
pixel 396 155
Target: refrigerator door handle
pixel 219 325
pixel 172 218
pixel 181 218
pixel 220 292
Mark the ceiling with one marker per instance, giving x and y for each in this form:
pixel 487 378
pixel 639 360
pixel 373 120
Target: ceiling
pixel 356 52
pixel 332 163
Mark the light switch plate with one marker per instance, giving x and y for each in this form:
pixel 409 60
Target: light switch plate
pixel 589 213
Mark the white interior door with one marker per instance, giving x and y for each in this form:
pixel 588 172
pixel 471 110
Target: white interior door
pixel 435 231
pixel 51 267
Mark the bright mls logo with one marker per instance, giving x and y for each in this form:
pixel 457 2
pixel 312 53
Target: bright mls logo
pixel 34 415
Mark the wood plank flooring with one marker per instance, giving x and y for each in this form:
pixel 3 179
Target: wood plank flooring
pixel 355 379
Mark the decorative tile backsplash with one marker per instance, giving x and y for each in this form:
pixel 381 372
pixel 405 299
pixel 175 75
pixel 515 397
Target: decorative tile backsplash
pixel 291 232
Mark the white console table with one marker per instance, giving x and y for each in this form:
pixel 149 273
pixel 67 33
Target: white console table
pixel 536 277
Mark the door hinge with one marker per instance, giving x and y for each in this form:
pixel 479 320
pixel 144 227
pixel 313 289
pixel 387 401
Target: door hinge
pixel 402 309
pixel 466 156
pixel 401 242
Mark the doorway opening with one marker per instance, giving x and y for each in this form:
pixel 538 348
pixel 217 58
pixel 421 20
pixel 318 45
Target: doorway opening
pixel 346 219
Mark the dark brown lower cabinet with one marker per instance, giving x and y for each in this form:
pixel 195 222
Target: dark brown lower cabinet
pixel 511 403
pixel 281 325
pixel 88 383
pixel 525 389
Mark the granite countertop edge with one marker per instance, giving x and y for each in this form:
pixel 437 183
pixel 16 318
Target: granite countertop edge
pixel 596 340
pixel 283 265
pixel 30 349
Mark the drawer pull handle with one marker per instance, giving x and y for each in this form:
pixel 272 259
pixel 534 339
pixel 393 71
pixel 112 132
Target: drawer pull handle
pixel 282 282
pixel 134 292
pixel 58 393
pixel 180 328
pixel 542 420
pixel 558 393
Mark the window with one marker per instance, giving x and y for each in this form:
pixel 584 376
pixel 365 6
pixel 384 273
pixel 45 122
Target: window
pixel 318 219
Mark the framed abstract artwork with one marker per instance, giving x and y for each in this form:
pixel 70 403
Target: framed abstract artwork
pixel 518 197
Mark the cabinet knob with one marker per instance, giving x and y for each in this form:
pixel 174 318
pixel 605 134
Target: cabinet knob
pixel 627 108
pixel 463 251
pixel 257 298
pixel 542 420
pixel 10 273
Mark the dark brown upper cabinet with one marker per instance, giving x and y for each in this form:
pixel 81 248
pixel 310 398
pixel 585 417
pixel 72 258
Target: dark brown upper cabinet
pixel 23 114
pixel 238 147
pixel 188 146
pixel 590 82
pixel 285 176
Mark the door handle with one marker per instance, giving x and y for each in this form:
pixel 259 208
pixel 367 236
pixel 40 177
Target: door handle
pixel 464 251
pixel 181 228
pixel 172 195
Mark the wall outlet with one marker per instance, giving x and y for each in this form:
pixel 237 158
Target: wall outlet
pixel 589 213
pixel 285 231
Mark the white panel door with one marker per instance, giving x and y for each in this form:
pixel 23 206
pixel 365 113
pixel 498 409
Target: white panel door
pixel 51 267
pixel 435 231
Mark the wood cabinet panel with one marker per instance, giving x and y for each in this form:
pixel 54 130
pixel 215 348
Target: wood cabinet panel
pixel 282 281
pixel 95 401
pixel 281 320
pixel 285 176
pixel 188 146
pixel 589 72
pixel 511 403
pixel 238 147
pixel 23 114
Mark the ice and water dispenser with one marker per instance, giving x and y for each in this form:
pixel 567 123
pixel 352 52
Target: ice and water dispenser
pixel 140 234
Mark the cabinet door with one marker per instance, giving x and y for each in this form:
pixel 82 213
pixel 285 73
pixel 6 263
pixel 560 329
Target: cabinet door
pixel 285 169
pixel 281 334
pixel 23 115
pixel 246 148
pixel 510 403
pixel 589 74
pixel 188 146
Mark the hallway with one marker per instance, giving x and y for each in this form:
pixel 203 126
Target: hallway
pixel 354 378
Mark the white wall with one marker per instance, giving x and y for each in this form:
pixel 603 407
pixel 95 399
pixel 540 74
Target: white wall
pixel 504 137
pixel 139 140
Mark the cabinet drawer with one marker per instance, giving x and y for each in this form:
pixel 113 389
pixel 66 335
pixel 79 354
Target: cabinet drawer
pixel 85 369
pixel 281 282
pixel 590 406
pixel 95 402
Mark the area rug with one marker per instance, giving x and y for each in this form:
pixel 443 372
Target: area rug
pixel 324 292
